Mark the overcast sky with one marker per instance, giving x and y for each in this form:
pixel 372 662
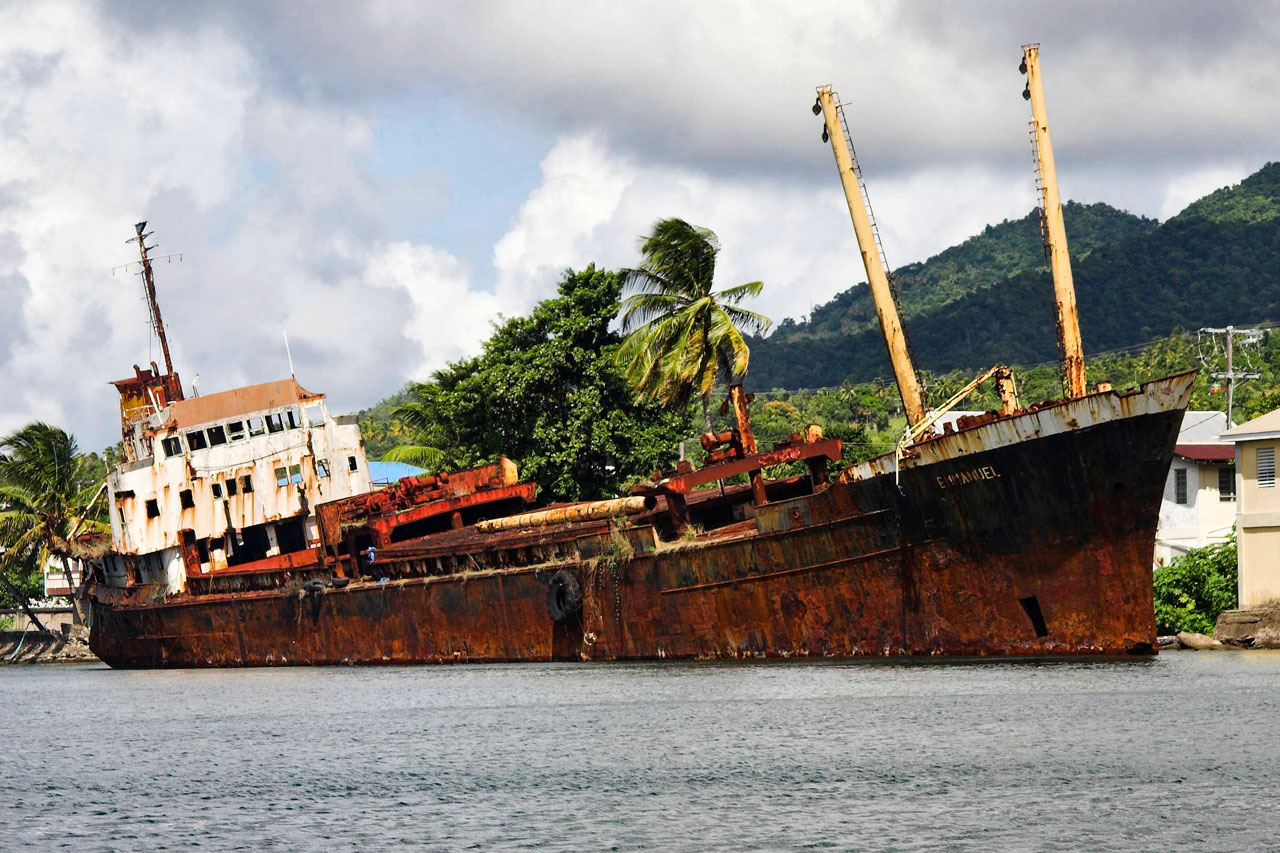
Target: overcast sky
pixel 384 178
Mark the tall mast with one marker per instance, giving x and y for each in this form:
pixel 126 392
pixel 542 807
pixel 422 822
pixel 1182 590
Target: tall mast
pixel 152 303
pixel 1070 350
pixel 895 337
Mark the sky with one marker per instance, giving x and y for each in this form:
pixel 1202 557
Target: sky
pixel 385 179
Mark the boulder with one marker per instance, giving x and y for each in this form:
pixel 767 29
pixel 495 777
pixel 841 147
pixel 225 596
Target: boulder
pixel 1199 642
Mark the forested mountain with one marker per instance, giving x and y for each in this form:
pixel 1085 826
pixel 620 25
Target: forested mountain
pixel 989 299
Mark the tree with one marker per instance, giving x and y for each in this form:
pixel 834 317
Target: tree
pixel 1195 588
pixel 682 336
pixel 46 497
pixel 547 392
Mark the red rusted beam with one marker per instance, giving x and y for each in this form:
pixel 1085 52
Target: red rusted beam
pixel 685 483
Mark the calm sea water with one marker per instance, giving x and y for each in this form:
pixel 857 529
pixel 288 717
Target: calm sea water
pixel 1181 752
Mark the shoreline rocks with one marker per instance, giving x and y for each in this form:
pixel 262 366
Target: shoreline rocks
pixel 1255 628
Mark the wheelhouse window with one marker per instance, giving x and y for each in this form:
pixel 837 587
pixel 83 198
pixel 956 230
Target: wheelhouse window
pixel 172 446
pixel 235 430
pixel 1266 467
pixel 217 435
pixel 275 422
pixel 292 418
pixel 1180 485
pixel 196 441
pixel 1227 483
pixel 314 414
pixel 256 427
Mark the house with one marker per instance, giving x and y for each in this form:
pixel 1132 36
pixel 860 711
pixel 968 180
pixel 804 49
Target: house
pixel 1258 510
pixel 1199 506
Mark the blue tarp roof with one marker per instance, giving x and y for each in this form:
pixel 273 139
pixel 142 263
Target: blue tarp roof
pixel 384 473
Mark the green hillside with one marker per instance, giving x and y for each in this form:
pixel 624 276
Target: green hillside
pixel 1215 263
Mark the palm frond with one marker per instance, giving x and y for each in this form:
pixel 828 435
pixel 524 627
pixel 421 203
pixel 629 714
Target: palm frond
pixel 418 455
pixel 739 292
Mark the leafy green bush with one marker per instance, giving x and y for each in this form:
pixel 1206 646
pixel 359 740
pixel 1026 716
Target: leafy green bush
pixel 1192 590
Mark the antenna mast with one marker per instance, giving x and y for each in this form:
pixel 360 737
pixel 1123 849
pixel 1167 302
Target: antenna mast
pixel 149 282
pixel 1070 350
pixel 855 191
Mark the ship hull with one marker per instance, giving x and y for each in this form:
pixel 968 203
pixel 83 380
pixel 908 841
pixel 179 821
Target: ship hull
pixel 1031 535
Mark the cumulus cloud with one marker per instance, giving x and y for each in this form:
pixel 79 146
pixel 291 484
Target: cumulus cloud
pixel 595 204
pixel 280 221
pixel 247 133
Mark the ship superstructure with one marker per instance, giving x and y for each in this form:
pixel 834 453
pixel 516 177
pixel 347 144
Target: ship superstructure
pixel 226 480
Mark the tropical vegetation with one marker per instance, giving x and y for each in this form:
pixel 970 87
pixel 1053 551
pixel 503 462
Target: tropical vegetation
pixel 1191 591
pixel 683 337
pixel 48 501
pixel 547 392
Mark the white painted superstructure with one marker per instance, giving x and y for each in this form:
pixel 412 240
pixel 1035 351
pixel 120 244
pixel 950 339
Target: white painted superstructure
pixel 228 478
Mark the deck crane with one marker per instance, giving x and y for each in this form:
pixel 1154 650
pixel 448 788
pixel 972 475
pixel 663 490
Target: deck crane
pixel 1052 230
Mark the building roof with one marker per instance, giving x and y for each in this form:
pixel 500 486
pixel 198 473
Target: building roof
pixel 1264 426
pixel 239 401
pixel 1202 427
pixel 1217 452
pixel 385 473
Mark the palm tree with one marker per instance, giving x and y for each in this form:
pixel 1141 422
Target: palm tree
pixel 418 418
pixel 682 336
pixel 45 499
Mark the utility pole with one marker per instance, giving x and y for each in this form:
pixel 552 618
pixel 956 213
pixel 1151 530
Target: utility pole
pixel 1231 376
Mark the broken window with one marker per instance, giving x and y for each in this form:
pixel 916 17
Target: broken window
pixel 195 440
pixel 153 508
pixel 217 435
pixel 235 430
pixel 186 499
pixel 231 487
pixel 315 415
pixel 172 446
pixel 1227 483
pixel 216 488
pixel 246 483
pixel 275 423
pixel 292 418
pixel 256 427
pixel 322 467
pixel 127 493
pixel 352 465
pixel 295 473
pixel 282 477
pixel 202 548
pixel 1266 467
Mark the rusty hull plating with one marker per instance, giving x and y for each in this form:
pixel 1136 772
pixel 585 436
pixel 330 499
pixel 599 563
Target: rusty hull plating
pixel 1023 534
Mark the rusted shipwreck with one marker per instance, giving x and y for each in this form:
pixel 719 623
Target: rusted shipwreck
pixel 246 531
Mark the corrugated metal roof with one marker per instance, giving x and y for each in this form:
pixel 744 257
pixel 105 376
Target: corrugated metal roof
pixel 1206 452
pixel 239 401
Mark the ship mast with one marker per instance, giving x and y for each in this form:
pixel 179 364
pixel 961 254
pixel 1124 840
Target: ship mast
pixel 1070 350
pixel 895 337
pixel 149 282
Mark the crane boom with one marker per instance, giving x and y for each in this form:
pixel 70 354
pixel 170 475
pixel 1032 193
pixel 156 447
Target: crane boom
pixel 895 338
pixel 1070 350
